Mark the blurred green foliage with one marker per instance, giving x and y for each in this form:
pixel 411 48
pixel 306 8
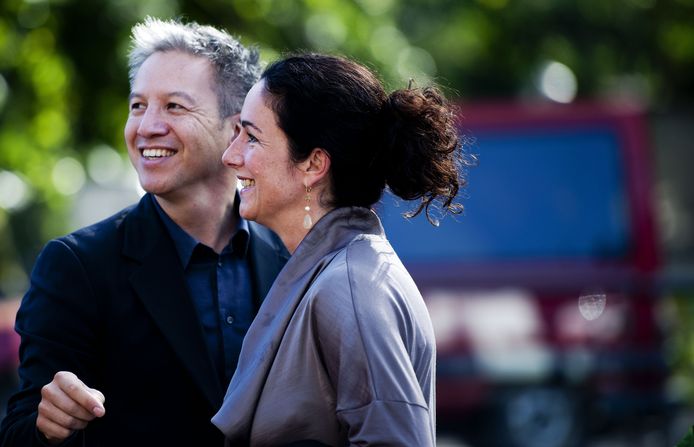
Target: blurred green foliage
pixel 680 345
pixel 688 440
pixel 63 77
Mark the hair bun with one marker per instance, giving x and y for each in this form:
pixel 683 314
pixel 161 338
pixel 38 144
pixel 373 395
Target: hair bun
pixel 421 150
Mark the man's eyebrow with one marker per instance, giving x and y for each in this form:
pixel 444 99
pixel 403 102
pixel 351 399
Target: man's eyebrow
pixel 245 123
pixel 183 95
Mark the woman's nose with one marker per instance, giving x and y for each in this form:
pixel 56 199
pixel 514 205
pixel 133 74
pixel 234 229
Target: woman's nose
pixel 232 156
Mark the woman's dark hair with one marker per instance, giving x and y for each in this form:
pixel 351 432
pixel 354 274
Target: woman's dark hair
pixel 406 140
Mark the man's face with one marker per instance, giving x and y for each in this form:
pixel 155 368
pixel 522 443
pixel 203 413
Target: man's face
pixel 174 133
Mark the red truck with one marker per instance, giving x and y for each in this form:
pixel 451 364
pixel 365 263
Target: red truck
pixel 543 294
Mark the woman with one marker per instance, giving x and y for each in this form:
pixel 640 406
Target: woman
pixel 342 350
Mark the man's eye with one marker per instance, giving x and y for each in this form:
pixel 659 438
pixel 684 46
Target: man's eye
pixel 252 138
pixel 174 106
pixel 136 106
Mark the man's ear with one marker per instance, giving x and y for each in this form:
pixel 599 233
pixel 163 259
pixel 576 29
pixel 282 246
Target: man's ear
pixel 316 167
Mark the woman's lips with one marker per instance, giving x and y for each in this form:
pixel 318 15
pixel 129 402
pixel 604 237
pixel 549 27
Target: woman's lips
pixel 246 182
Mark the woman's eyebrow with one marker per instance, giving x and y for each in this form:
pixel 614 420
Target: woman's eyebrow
pixel 246 123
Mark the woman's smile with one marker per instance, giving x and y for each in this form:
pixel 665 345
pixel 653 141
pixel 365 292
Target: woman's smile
pixel 246 183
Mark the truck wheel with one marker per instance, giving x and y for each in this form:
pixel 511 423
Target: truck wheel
pixel 539 417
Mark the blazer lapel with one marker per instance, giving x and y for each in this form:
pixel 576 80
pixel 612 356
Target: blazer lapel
pixel 159 283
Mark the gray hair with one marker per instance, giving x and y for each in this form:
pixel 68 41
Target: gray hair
pixel 236 68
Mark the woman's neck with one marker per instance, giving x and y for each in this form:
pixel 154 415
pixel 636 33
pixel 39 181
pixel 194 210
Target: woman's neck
pixel 292 235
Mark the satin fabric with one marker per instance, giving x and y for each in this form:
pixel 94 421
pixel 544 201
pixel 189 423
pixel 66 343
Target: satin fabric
pixel 342 351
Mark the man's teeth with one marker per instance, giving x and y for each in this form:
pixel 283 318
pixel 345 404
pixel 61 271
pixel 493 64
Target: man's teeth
pixel 157 153
pixel 245 183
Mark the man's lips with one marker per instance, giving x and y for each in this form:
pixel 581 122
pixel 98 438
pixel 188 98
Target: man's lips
pixel 153 153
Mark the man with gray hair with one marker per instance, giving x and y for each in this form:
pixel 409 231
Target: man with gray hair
pixel 132 327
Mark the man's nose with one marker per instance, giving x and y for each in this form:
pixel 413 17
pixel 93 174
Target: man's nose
pixel 152 123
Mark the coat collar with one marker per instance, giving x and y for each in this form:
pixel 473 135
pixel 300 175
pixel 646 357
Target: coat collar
pixel 331 234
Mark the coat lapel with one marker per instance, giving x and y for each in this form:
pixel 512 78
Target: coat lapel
pixel 159 283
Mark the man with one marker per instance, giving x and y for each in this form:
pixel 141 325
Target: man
pixel 131 328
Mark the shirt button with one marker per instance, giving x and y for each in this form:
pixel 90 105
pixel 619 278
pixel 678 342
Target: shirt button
pixel 219 263
pixel 230 320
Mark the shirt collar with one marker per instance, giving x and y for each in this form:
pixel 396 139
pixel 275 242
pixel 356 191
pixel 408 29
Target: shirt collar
pixel 185 243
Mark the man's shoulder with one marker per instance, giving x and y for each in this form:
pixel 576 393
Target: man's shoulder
pixel 93 247
pixel 103 231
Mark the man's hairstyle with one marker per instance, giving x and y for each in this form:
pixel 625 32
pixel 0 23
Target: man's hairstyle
pixel 236 68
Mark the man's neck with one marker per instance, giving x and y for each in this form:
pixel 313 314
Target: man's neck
pixel 211 222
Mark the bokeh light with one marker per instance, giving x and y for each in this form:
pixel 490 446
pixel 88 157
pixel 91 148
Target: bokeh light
pixel 68 176
pixel 557 82
pixel 376 7
pixel 325 31
pixel 591 305
pixel 104 165
pixel 386 43
pixel 14 192
pixel 416 63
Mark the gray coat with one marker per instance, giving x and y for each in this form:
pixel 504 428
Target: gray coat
pixel 342 350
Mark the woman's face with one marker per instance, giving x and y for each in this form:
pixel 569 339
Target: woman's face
pixel 272 190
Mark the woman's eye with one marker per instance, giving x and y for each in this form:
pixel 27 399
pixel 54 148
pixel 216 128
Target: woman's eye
pixel 136 106
pixel 251 138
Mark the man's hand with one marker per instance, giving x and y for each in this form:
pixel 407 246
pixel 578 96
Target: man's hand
pixel 67 404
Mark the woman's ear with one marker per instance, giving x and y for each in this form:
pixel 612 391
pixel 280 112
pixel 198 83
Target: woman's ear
pixel 316 167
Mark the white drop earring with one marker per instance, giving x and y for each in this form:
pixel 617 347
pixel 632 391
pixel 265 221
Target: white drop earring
pixel 308 222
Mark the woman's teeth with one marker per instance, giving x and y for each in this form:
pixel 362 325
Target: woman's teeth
pixel 157 153
pixel 246 183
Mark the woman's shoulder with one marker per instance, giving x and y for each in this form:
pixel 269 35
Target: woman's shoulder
pixel 368 250
pixel 371 259
pixel 360 261
pixel 364 277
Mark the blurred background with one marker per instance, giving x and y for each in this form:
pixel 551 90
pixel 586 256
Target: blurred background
pixel 563 301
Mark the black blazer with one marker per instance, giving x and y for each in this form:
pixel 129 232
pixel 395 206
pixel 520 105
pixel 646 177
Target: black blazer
pixel 109 303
